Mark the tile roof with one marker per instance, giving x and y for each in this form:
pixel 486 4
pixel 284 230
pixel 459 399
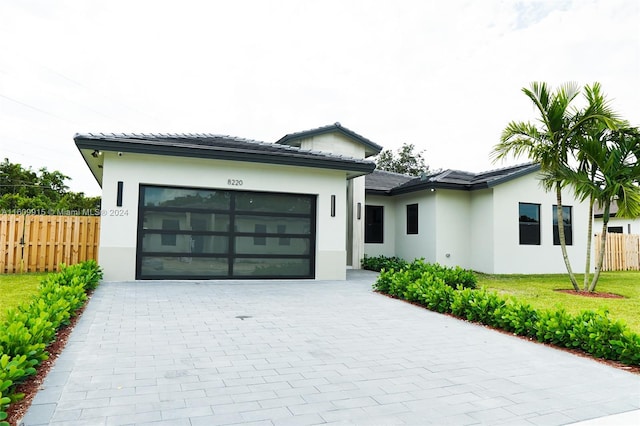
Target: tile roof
pixel 218 147
pixel 381 181
pixel 598 211
pixel 371 148
pixel 450 179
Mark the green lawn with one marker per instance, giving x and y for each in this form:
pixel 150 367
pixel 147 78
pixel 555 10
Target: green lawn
pixel 538 291
pixel 17 288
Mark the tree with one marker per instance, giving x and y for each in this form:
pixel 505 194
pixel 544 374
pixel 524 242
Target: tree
pixel 610 173
pixel 405 161
pixel 16 180
pixel 554 140
pixel 24 189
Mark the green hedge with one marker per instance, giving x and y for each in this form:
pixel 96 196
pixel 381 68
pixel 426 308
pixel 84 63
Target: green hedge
pixel 434 287
pixel 379 263
pixel 402 277
pixel 31 327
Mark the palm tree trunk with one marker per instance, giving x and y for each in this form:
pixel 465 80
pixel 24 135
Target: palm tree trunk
pixel 563 241
pixel 587 267
pixel 603 242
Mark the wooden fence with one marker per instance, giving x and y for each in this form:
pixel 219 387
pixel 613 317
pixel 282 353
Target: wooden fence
pixel 621 253
pixel 30 243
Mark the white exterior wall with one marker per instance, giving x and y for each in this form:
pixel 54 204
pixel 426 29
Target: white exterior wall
pixel 118 236
pixel 334 143
pixel 423 244
pixel 627 224
pixel 388 247
pixel 512 258
pixel 357 224
pixel 453 228
pixel 481 230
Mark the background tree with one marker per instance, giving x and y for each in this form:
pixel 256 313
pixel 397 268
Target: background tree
pixel 24 189
pixel 405 161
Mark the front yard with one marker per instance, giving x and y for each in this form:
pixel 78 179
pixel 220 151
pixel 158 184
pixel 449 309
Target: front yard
pixel 535 289
pixel 538 290
pixel 16 289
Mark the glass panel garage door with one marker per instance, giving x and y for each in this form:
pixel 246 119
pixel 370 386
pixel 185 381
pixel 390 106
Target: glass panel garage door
pixel 190 233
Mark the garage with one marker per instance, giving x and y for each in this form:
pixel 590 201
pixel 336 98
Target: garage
pixel 210 206
pixel 199 233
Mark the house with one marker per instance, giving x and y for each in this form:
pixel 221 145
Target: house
pixel 616 224
pixel 198 206
pixel 500 221
pixel 203 206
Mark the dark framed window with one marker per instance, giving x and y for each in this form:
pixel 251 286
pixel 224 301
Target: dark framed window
pixel 568 228
pixel 529 218
pixel 204 233
pixel 374 224
pixel 412 218
pixel 614 229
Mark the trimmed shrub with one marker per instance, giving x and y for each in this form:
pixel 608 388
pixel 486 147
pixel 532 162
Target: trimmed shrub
pixel 378 263
pixel 452 290
pixel 436 295
pixel 31 327
pixel 453 277
pixel 477 305
pixel 457 276
pixel 518 317
pixel 383 283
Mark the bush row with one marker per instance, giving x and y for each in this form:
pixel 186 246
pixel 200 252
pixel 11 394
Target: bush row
pixel 592 332
pixel 397 278
pixel 379 263
pixel 31 327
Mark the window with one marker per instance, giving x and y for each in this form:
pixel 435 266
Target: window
pixel 529 224
pixel 568 231
pixel 374 224
pixel 614 229
pixel 172 225
pixel 412 219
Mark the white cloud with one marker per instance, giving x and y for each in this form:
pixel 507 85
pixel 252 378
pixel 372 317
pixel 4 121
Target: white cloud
pixel 445 76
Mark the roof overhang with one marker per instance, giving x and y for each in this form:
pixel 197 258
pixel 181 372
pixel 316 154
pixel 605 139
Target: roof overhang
pixel 93 146
pixel 467 182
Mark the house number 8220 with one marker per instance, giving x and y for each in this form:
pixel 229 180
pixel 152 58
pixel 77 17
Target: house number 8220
pixel 234 182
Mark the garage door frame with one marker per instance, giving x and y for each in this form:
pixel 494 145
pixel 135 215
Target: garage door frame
pixel 283 213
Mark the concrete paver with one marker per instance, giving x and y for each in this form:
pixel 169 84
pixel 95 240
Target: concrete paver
pixel 305 352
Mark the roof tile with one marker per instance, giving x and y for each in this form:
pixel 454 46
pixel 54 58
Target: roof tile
pixel 453 179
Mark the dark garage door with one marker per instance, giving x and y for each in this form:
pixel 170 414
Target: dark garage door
pixel 192 233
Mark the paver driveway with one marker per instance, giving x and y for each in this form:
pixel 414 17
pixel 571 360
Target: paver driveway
pixel 304 352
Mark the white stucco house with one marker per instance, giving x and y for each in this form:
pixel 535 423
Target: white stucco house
pixel 500 221
pixel 310 205
pixel 616 224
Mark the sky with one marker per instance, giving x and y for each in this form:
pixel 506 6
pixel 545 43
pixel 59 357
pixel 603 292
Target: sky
pixel 443 75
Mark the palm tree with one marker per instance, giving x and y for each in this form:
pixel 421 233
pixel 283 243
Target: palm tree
pixel 556 139
pixel 612 176
pixel 549 144
pixel 594 134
